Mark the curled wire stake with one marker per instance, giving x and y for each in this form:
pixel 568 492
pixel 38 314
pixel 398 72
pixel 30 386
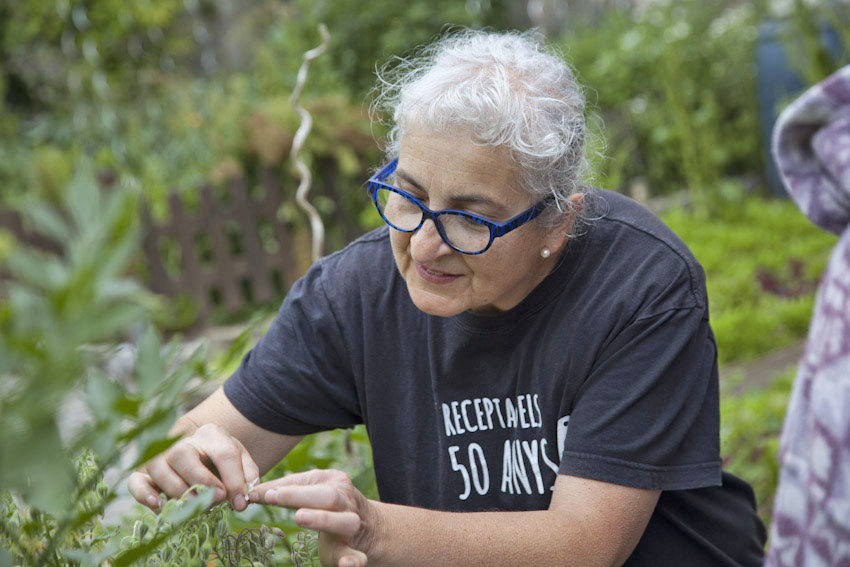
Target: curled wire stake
pixel 316 226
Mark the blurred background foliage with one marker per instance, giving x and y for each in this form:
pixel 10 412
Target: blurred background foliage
pixel 178 93
pixel 159 97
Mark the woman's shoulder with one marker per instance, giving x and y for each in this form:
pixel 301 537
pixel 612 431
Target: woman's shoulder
pixel 635 242
pixel 359 272
pixel 622 211
pixel 369 251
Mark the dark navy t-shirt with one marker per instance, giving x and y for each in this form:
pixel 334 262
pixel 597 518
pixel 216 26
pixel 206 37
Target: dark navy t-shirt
pixel 607 370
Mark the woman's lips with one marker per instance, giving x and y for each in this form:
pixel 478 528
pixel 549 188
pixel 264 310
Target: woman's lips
pixel 435 276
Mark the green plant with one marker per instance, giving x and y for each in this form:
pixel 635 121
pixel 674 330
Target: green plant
pixel 751 423
pixel 749 237
pixel 803 33
pixel 674 85
pixel 305 550
pixel 185 532
pixel 59 317
pixel 51 306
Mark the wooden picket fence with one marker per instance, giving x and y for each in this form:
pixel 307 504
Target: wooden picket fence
pixel 231 252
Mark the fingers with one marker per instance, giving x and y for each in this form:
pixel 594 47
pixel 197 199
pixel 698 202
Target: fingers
pixel 143 489
pixel 169 481
pixel 225 453
pixel 196 460
pixel 252 471
pixel 314 477
pixel 344 556
pixel 344 524
pixel 315 496
pixel 325 501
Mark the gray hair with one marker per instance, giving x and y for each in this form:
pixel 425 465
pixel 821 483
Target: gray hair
pixel 508 91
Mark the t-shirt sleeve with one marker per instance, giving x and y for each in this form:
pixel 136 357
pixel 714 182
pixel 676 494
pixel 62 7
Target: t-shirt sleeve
pixel 647 416
pixel 296 380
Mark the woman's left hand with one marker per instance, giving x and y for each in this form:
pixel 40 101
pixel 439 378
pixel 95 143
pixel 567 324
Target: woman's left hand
pixel 326 501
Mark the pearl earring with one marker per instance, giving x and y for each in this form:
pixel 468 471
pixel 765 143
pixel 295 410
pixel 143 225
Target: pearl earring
pixel 545 253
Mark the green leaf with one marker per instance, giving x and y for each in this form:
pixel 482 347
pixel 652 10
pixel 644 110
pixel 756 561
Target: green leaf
pixel 189 508
pixel 128 405
pixel 150 368
pixel 39 271
pixel 37 466
pixel 153 449
pixel 48 222
pixel 176 382
pixel 102 438
pixel 85 516
pixel 82 197
pixel 175 513
pixel 103 394
pixel 105 320
pixel 88 559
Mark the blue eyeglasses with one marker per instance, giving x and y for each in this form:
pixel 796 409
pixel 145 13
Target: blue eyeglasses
pixel 465 232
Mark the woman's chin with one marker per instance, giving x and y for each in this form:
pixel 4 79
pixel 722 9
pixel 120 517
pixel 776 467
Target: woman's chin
pixel 434 304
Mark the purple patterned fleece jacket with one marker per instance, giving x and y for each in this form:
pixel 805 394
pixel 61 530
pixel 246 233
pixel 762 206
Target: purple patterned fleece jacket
pixel 811 523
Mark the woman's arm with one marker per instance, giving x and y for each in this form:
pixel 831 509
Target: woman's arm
pixel 589 523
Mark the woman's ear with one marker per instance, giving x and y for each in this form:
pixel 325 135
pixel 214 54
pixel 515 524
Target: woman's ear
pixel 558 235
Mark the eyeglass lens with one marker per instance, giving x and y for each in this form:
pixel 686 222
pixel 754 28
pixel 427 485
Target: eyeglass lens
pixel 403 214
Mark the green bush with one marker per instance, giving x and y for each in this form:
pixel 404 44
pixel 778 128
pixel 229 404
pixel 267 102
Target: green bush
pixel 750 428
pixel 60 315
pixel 674 85
pixel 763 259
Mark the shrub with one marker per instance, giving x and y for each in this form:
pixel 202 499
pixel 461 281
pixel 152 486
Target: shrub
pixel 750 429
pixel 674 84
pixel 58 316
pixel 763 259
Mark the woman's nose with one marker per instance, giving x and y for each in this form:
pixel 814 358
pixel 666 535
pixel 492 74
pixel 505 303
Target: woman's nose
pixel 426 243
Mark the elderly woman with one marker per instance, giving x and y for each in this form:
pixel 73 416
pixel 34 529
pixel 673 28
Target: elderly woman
pixel 532 360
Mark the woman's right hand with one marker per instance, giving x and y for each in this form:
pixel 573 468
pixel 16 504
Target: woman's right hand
pixel 210 457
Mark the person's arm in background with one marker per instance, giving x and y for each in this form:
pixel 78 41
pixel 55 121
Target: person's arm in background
pixel 219 448
pixel 589 523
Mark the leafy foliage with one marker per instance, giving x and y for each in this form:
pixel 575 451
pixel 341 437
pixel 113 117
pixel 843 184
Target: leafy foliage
pixel 806 25
pixel 70 410
pixel 186 532
pixel 674 84
pixel 749 437
pixel 750 238
pixel 362 38
pixel 52 306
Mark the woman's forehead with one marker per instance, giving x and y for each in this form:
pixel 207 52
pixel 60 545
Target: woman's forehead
pixel 461 171
pixel 457 155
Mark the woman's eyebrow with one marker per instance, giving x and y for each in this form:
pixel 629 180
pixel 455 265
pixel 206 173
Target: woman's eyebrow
pixel 469 199
pixel 410 180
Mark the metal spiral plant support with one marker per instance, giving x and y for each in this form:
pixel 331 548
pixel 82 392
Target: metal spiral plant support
pixel 316 226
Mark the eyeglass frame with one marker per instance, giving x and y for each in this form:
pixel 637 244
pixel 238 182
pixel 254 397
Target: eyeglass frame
pixel 496 229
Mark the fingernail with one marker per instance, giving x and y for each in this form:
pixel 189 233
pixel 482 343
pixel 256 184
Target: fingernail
pixel 219 494
pixel 253 496
pixel 152 501
pixel 239 503
pixel 303 517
